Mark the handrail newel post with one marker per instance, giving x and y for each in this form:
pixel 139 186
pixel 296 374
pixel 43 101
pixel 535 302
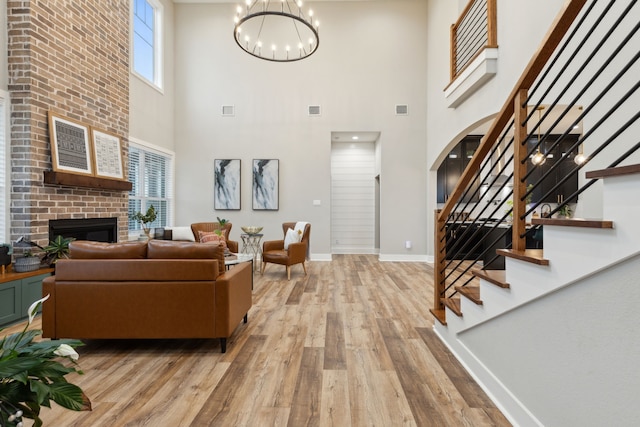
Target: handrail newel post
pixel 439 261
pixel 519 171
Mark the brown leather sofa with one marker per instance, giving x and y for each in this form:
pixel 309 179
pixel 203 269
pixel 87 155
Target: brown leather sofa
pixel 155 289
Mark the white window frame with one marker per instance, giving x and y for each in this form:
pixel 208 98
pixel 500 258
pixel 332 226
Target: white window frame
pixel 158 50
pixel 5 168
pixel 170 185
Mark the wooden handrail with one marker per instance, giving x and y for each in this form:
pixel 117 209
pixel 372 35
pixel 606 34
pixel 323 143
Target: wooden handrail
pixel 515 101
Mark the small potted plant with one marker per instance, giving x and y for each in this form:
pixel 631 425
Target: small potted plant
pixel 146 218
pixel 57 249
pixel 565 211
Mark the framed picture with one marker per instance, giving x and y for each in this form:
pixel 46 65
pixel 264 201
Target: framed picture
pixel 107 154
pixel 70 149
pixel 226 184
pixel 265 184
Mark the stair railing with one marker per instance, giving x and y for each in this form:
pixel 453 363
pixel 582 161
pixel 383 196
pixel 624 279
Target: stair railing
pixel 474 31
pixel 585 72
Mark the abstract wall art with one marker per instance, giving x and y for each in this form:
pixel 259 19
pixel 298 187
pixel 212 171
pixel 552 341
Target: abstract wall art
pixel 226 184
pixel 265 184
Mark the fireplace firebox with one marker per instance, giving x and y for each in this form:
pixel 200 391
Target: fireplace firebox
pixel 95 229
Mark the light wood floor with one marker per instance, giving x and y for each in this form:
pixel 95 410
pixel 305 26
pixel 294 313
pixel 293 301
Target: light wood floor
pixel 351 344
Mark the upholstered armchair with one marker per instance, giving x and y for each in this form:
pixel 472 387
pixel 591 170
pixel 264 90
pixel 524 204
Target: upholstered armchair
pixel 274 251
pixel 208 227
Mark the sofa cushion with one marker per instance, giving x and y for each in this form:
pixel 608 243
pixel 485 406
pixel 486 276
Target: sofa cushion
pixel 182 233
pixel 166 249
pixel 213 237
pixel 84 249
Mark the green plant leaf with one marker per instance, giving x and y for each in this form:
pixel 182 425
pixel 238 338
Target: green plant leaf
pixel 69 396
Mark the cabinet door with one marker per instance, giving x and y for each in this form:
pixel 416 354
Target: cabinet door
pixel 31 291
pixel 564 167
pixel 10 301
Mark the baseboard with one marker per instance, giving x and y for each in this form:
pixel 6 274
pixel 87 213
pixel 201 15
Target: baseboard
pixel 320 257
pixel 402 258
pixel 500 395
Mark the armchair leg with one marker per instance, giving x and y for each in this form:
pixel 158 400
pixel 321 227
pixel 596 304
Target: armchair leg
pixel 223 345
pixel 288 272
pixel 304 267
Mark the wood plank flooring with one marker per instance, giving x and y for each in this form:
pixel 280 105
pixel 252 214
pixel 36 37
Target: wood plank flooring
pixel 351 344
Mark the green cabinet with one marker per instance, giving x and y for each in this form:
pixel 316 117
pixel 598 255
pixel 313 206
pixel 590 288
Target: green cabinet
pixel 17 295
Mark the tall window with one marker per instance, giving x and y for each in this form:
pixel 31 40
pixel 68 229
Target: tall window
pixel 147 26
pixel 4 174
pixel 151 173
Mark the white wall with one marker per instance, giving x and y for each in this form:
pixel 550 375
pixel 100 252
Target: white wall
pixel 353 196
pixel 522 25
pixel 151 114
pixel 370 59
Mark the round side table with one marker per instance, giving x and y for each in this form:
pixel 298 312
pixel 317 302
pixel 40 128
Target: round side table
pixel 251 245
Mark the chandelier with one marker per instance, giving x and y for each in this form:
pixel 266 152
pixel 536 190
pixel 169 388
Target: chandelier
pixel 276 30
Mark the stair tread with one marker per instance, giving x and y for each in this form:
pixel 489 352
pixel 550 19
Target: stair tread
pixel 471 292
pixel 574 222
pixel 534 256
pixel 453 304
pixel 496 277
pixel 617 171
pixel 440 315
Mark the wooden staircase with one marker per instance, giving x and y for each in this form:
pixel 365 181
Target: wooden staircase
pixel 497 278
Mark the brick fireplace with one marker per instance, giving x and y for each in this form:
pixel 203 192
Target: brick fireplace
pixel 71 58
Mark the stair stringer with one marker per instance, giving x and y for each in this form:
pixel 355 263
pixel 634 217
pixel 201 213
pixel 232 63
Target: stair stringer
pixel 561 358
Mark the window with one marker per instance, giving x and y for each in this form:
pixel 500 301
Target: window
pixel 4 174
pixel 147 31
pixel 151 175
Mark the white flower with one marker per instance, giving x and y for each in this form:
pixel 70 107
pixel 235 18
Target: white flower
pixel 33 308
pixel 65 350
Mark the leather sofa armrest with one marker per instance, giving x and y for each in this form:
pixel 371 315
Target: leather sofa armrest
pixel 273 245
pixel 233 246
pixel 297 252
pixel 233 298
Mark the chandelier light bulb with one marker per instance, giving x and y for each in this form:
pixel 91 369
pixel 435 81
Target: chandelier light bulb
pixel 580 159
pixel 538 158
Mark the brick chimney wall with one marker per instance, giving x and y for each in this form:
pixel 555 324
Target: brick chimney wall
pixel 70 57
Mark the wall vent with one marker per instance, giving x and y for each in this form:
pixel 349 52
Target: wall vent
pixel 314 110
pixel 228 110
pixel 402 110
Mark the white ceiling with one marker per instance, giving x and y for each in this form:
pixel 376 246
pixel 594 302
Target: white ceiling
pixel 355 136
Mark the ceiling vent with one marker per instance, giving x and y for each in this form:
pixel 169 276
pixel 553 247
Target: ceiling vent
pixel 228 110
pixel 402 110
pixel 314 110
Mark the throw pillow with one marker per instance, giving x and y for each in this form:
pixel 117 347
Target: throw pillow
pixel 292 236
pixel 213 238
pixel 182 233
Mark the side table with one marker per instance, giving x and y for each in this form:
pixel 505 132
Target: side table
pixel 251 245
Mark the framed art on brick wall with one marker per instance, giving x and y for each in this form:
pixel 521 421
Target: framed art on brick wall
pixel 70 148
pixel 107 154
pixel 266 184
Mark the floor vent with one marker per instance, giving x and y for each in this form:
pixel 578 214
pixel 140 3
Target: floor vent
pixel 402 110
pixel 228 110
pixel 314 110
